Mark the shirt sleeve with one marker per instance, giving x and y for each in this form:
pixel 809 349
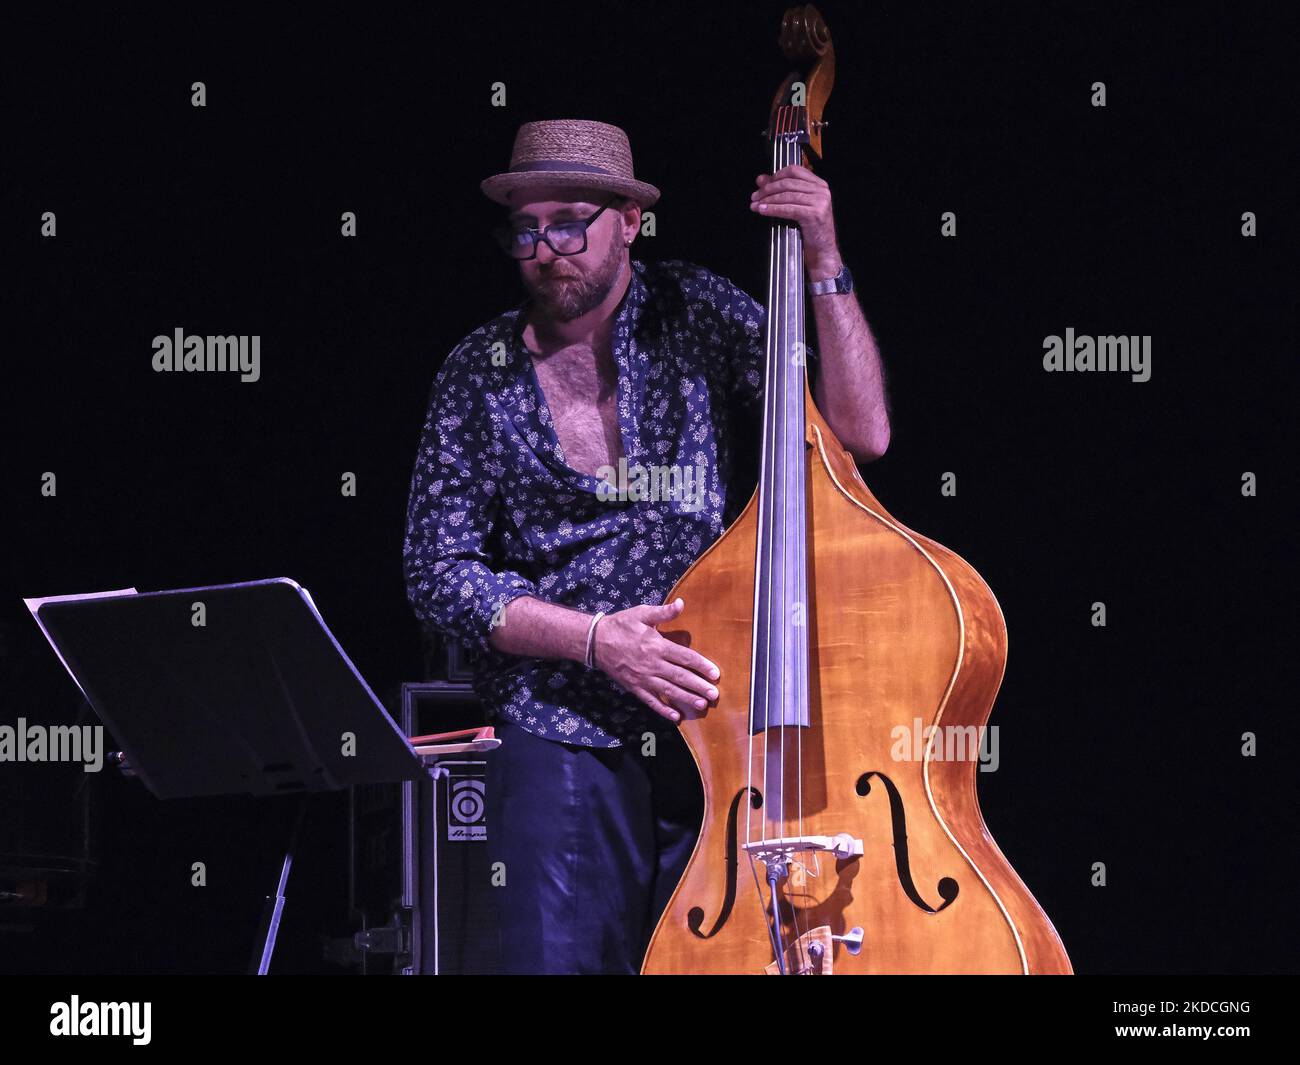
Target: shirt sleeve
pixel 744 325
pixel 452 579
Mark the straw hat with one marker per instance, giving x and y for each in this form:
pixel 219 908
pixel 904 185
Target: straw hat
pixel 570 151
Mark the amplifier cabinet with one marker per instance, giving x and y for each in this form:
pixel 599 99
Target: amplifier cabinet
pixel 422 880
pixel 446 872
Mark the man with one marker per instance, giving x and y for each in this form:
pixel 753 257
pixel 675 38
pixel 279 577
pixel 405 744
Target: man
pixel 523 542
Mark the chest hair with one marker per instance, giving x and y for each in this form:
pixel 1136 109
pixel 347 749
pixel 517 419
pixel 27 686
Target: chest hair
pixel 581 390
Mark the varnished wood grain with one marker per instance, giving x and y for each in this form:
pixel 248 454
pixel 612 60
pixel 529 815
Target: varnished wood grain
pixel 900 628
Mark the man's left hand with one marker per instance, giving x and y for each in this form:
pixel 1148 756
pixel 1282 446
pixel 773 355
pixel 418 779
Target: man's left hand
pixel 796 193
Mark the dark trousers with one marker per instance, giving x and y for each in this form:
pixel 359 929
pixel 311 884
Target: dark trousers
pixel 593 843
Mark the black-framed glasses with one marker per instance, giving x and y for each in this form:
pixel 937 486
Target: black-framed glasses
pixel 564 238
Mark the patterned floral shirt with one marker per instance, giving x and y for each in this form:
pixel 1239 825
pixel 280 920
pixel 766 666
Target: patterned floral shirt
pixel 495 512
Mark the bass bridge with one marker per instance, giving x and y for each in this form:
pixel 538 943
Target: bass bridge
pixel 780 851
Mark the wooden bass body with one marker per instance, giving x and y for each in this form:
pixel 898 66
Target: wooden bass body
pixel 899 628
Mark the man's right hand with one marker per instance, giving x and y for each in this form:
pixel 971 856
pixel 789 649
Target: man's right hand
pixel 669 678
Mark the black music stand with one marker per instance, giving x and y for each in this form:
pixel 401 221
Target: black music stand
pixel 259 699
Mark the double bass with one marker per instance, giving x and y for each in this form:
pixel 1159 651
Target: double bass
pixel 829 845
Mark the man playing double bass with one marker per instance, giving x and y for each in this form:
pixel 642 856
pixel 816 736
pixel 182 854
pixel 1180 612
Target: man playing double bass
pixel 523 544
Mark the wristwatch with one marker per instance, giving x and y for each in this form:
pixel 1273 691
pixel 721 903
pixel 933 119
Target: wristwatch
pixel 839 284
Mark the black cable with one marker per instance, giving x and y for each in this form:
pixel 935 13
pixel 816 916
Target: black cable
pixel 772 880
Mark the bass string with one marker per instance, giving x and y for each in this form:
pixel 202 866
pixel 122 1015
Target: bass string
pixel 801 576
pixel 783 428
pixel 762 582
pixel 794 503
pixel 798 362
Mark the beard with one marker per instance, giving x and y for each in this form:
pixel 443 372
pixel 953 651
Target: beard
pixel 570 294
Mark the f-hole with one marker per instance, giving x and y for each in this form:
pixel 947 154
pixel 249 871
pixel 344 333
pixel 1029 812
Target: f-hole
pixel 695 917
pixel 947 887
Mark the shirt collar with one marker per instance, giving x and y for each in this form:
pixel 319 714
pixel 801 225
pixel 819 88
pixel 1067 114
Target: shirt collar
pixel 631 358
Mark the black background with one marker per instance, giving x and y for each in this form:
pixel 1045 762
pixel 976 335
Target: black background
pixel 1118 745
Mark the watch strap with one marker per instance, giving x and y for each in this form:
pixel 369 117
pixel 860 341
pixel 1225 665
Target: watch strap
pixel 839 284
